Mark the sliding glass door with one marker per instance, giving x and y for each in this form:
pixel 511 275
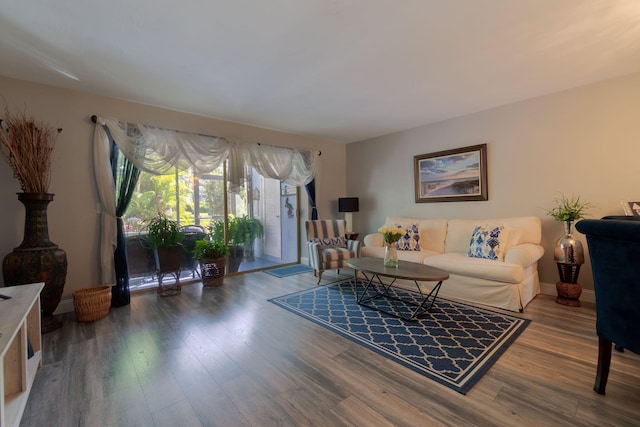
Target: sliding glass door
pixel 266 207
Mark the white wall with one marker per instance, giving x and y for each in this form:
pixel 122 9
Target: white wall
pixel 73 218
pixel 584 141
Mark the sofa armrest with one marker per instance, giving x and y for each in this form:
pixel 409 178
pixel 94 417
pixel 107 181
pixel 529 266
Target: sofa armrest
pixel 375 239
pixel 524 254
pixel 354 246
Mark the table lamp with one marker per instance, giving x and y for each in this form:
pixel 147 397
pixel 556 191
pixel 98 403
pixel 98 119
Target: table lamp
pixel 348 205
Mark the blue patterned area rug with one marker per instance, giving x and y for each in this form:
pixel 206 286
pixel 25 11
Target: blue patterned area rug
pixel 289 271
pixel 454 344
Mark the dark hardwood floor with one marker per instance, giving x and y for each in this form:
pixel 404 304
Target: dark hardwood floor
pixel 228 357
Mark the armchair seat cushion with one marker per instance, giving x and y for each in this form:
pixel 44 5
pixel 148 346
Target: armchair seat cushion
pixel 336 254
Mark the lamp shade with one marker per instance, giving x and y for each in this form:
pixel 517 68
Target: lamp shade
pixel 348 204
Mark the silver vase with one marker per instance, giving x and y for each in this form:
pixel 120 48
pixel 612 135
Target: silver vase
pixel 568 250
pixel 569 255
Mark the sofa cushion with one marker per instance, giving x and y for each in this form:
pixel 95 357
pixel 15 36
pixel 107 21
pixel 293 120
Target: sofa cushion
pixel 488 241
pixel 459 263
pixel 459 231
pixel 432 231
pixel 411 256
pixel 410 241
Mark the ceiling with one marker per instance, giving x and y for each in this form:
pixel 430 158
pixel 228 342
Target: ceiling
pixel 344 70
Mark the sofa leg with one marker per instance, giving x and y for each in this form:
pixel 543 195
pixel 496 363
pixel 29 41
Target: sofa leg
pixel 319 277
pixel 604 362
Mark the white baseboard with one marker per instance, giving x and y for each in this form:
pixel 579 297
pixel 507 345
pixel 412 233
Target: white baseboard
pixel 588 295
pixel 304 260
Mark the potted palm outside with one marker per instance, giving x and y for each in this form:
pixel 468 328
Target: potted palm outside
pixel 165 239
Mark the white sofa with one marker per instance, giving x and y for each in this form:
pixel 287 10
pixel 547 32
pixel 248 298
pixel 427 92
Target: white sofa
pixel 444 243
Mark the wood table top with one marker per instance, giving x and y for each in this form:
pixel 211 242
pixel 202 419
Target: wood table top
pixel 406 270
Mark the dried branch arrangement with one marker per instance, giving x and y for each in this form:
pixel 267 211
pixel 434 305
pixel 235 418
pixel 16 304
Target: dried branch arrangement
pixel 27 145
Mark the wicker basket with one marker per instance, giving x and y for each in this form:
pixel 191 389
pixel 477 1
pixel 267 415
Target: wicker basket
pixel 92 304
pixel 212 271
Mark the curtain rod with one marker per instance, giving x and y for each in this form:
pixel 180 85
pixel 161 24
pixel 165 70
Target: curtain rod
pixel 94 119
pixel 280 146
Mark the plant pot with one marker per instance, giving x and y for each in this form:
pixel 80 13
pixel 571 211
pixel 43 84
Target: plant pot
pixel 236 254
pixel 168 261
pixel 212 271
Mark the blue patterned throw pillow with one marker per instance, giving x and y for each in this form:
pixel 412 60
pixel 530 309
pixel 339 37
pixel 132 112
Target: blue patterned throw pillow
pixel 331 242
pixel 488 242
pixel 410 241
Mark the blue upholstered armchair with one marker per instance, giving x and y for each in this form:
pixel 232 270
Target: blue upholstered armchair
pixel 614 249
pixel 328 248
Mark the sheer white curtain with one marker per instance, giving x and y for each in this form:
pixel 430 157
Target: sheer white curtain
pixel 107 194
pixel 158 151
pixel 285 164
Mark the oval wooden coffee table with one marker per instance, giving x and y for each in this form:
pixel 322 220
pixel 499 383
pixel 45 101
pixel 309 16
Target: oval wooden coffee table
pixel 373 268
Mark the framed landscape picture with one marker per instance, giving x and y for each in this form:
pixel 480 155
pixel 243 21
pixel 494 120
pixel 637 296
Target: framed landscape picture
pixel 631 208
pixel 451 176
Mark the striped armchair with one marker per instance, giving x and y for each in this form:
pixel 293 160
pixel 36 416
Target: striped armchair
pixel 328 248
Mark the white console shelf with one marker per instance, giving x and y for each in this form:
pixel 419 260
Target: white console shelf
pixel 19 320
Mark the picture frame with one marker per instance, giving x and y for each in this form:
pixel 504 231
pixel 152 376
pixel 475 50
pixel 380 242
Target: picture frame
pixel 631 208
pixel 456 175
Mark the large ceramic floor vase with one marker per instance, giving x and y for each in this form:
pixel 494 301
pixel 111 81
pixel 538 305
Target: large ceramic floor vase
pixel 38 259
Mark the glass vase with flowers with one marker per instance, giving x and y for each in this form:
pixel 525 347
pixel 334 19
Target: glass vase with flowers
pixel 391 235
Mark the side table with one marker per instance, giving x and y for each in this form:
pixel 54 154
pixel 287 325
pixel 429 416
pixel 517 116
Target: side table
pixel 568 289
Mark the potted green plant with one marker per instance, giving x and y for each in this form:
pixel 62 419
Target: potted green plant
pixel 568 209
pixel 235 248
pixel 568 252
pixel 165 239
pixel 212 255
pixel 254 230
pixel 236 238
pixel 241 234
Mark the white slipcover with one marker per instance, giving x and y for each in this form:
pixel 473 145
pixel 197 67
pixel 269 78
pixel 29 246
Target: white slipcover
pixel 510 284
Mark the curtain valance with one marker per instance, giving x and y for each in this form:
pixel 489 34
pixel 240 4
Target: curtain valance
pixel 158 151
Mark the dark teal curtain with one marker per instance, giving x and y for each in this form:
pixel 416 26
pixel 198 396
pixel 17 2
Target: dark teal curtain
pixel 125 176
pixel 311 193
